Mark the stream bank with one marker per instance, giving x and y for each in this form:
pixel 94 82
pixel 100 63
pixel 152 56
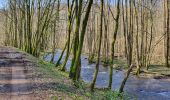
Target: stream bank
pixel 138 87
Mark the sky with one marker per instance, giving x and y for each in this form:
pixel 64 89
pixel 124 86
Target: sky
pixel 3 3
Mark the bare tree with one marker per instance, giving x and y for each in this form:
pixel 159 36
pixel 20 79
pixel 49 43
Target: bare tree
pixel 99 47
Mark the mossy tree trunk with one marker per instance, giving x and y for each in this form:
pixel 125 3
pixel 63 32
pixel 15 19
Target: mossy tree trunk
pixel 137 39
pixel 55 25
pixel 61 56
pixel 23 31
pixel 167 32
pixel 113 42
pixel 80 46
pixel 125 79
pixel 99 48
pixel 70 18
pixel 78 8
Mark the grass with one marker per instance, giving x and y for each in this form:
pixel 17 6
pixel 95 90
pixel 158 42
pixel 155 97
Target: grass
pixel 68 89
pixel 108 62
pixel 160 69
pixel 60 87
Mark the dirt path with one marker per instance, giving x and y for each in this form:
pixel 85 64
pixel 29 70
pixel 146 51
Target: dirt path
pixel 15 75
pixel 24 77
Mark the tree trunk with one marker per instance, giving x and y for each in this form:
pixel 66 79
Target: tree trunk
pixel 69 34
pixel 113 42
pixel 125 79
pixel 99 48
pixel 83 31
pixel 76 39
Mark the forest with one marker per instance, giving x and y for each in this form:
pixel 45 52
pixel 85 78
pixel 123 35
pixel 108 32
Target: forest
pixel 122 46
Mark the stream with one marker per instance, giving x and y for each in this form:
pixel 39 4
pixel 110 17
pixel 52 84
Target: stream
pixel 137 88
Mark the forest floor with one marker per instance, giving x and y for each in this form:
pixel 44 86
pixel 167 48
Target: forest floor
pixel 155 72
pixel 24 77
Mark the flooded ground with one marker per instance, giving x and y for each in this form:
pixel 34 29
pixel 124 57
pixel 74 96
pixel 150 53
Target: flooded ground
pixel 139 88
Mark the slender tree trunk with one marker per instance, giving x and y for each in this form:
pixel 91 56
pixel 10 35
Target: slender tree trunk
pixel 124 29
pixel 69 33
pixel 99 48
pixel 113 43
pixel 125 79
pixel 55 23
pixel 83 31
pixel 167 64
pixel 61 56
pixel 137 40
pixel 76 39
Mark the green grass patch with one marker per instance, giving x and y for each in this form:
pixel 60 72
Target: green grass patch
pixel 75 90
pixel 61 84
pixel 159 69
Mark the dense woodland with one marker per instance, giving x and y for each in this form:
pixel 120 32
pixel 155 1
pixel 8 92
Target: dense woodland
pixel 135 31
